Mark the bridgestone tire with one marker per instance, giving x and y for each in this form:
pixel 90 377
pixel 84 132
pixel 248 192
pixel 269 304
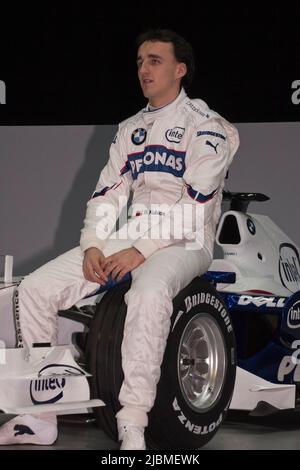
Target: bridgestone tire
pixel 197 374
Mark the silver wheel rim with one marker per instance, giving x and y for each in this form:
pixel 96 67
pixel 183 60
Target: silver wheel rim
pixel 201 362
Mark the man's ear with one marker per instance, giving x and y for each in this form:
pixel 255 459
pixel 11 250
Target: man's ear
pixel 181 70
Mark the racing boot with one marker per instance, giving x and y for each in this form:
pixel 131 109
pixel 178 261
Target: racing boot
pixel 132 437
pixel 29 429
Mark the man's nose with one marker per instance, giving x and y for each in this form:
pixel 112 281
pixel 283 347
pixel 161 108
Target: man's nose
pixel 144 69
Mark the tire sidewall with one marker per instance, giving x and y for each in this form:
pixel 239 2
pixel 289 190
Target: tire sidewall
pixel 194 428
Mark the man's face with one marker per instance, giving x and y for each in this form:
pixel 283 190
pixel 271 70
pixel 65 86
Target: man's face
pixel 159 72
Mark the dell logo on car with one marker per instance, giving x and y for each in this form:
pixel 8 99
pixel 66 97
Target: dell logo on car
pixel 293 316
pixel 47 390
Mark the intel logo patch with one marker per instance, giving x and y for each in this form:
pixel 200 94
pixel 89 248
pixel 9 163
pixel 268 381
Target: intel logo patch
pixel 47 390
pixel 293 316
pixel 175 134
pixel 289 266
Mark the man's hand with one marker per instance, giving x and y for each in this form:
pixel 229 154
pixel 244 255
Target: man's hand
pixel 92 269
pixel 122 262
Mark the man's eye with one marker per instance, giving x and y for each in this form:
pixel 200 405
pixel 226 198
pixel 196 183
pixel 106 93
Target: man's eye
pixel 155 61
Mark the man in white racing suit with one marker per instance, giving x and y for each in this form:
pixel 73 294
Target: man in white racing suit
pixel 173 156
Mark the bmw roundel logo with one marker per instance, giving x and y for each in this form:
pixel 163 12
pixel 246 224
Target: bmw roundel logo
pixel 251 226
pixel 138 136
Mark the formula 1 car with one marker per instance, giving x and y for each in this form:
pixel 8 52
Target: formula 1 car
pixel 233 339
pixel 264 304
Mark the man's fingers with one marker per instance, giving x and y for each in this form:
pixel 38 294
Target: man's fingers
pixel 100 278
pixel 100 274
pixel 90 276
pixel 122 274
pixel 110 267
pixel 98 269
pixel 93 277
pixel 107 262
pixel 95 274
pixel 116 271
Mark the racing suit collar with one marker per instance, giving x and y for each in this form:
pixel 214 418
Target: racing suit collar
pixel 150 115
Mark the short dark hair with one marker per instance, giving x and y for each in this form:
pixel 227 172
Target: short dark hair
pixel 183 51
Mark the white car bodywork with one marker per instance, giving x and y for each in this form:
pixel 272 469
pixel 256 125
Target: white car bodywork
pixel 265 264
pixel 42 379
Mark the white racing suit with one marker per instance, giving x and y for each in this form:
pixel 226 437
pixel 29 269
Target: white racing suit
pixel 172 158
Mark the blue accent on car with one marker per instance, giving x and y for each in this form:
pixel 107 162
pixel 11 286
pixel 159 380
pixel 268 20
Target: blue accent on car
pixel 253 303
pixel 266 362
pixel 219 277
pixel 271 361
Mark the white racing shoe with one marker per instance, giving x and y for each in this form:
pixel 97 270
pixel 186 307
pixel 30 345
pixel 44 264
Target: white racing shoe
pixel 27 429
pixel 132 437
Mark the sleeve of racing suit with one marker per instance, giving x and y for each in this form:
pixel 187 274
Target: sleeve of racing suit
pixel 108 199
pixel 207 159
